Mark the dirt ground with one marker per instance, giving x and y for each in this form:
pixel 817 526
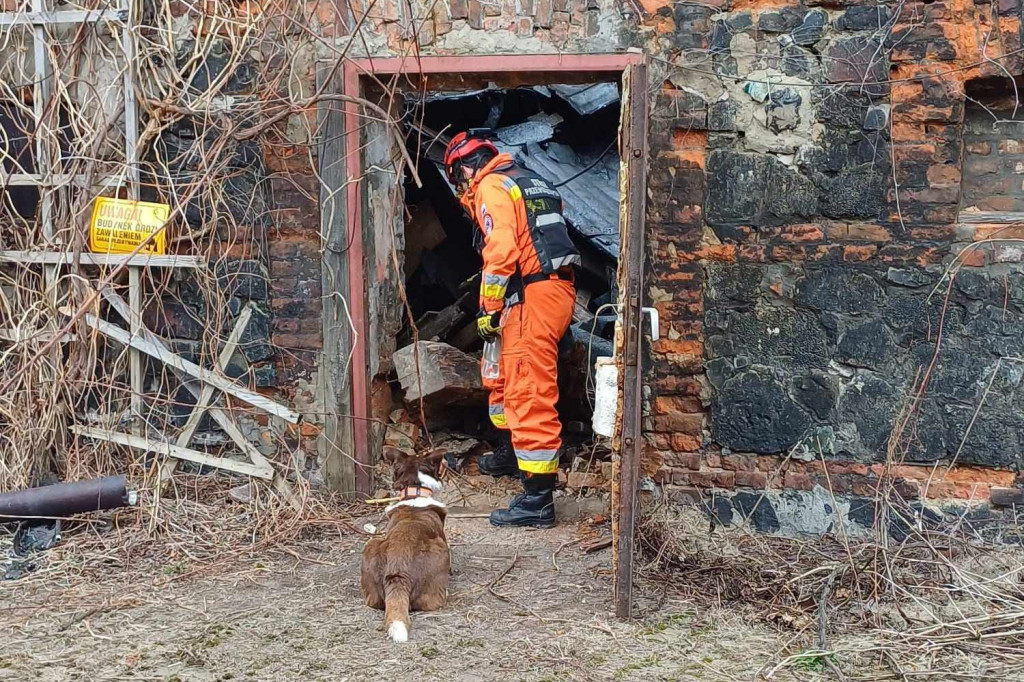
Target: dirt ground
pixel 524 605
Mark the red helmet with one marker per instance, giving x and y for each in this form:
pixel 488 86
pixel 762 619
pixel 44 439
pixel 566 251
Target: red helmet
pixel 460 148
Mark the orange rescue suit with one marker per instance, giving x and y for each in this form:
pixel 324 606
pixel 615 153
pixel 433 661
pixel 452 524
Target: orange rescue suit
pixel 524 396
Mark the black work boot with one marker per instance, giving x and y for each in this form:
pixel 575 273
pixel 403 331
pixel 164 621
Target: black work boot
pixel 534 507
pixel 502 461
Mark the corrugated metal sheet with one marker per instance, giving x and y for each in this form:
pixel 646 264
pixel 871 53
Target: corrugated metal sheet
pixel 586 99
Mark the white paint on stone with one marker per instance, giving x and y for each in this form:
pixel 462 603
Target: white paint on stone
pixel 813 513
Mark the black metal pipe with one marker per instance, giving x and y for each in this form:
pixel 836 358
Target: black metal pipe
pixel 65 499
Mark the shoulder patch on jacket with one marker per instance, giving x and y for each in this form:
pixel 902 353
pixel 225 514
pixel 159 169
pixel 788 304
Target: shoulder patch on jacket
pixel 486 220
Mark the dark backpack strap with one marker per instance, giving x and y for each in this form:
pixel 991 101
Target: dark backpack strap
pixel 564 274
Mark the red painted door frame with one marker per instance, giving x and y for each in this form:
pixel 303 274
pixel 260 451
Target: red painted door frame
pixel 354 73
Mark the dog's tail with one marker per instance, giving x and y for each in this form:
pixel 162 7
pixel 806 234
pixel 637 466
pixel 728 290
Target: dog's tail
pixel 396 607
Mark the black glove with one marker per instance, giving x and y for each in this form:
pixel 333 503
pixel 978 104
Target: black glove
pixel 488 325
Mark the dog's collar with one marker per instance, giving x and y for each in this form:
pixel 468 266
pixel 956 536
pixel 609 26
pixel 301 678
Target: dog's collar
pixel 414 491
pixel 419 496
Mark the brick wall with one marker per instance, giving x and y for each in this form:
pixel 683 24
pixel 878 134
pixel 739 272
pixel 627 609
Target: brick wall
pixel 805 183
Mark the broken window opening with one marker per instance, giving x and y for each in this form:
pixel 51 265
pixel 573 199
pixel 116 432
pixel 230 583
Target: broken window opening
pixel 567 134
pixel 993 167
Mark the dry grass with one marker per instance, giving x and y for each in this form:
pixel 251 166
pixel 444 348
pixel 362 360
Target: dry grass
pixel 934 606
pixel 200 533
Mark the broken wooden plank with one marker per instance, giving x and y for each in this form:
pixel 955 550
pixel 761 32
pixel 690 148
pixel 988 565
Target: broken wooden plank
pixel 55 179
pixel 228 425
pixel 595 545
pixel 144 443
pixel 220 416
pixel 446 374
pixel 206 394
pixel 165 356
pixel 39 336
pixel 581 311
pixel 100 259
pixel 285 490
pixel 581 314
pixel 62 17
pixel 437 326
pixel 135 372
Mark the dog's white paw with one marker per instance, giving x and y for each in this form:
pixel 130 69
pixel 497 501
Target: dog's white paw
pixel 398 632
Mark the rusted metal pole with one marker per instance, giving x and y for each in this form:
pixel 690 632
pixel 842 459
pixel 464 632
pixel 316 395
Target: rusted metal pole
pixel 66 499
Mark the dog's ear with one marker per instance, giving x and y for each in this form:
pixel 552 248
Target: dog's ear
pixel 432 460
pixel 393 455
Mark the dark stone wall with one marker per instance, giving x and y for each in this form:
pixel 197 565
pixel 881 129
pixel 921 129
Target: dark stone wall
pixel 828 365
pixel 827 318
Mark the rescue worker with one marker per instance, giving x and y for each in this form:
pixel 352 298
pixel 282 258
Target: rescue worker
pixel 527 294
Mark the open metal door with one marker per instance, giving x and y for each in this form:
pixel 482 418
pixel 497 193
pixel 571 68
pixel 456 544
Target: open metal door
pixel 629 440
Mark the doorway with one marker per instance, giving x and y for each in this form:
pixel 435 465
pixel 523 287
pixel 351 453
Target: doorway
pixel 358 216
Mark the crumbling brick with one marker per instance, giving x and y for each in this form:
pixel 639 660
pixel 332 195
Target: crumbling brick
pixel 680 460
pixel 751 479
pixel 798 481
pixel 713 479
pixel 442 18
pixel 859 253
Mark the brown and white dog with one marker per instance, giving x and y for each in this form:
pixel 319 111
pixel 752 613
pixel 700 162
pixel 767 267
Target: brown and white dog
pixel 406 568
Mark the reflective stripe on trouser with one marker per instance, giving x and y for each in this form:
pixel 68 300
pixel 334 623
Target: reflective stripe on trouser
pixel 496 398
pixel 537 461
pixel 497 414
pixel 530 338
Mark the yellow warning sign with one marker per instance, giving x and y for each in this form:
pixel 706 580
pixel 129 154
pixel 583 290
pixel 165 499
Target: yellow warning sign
pixel 119 226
